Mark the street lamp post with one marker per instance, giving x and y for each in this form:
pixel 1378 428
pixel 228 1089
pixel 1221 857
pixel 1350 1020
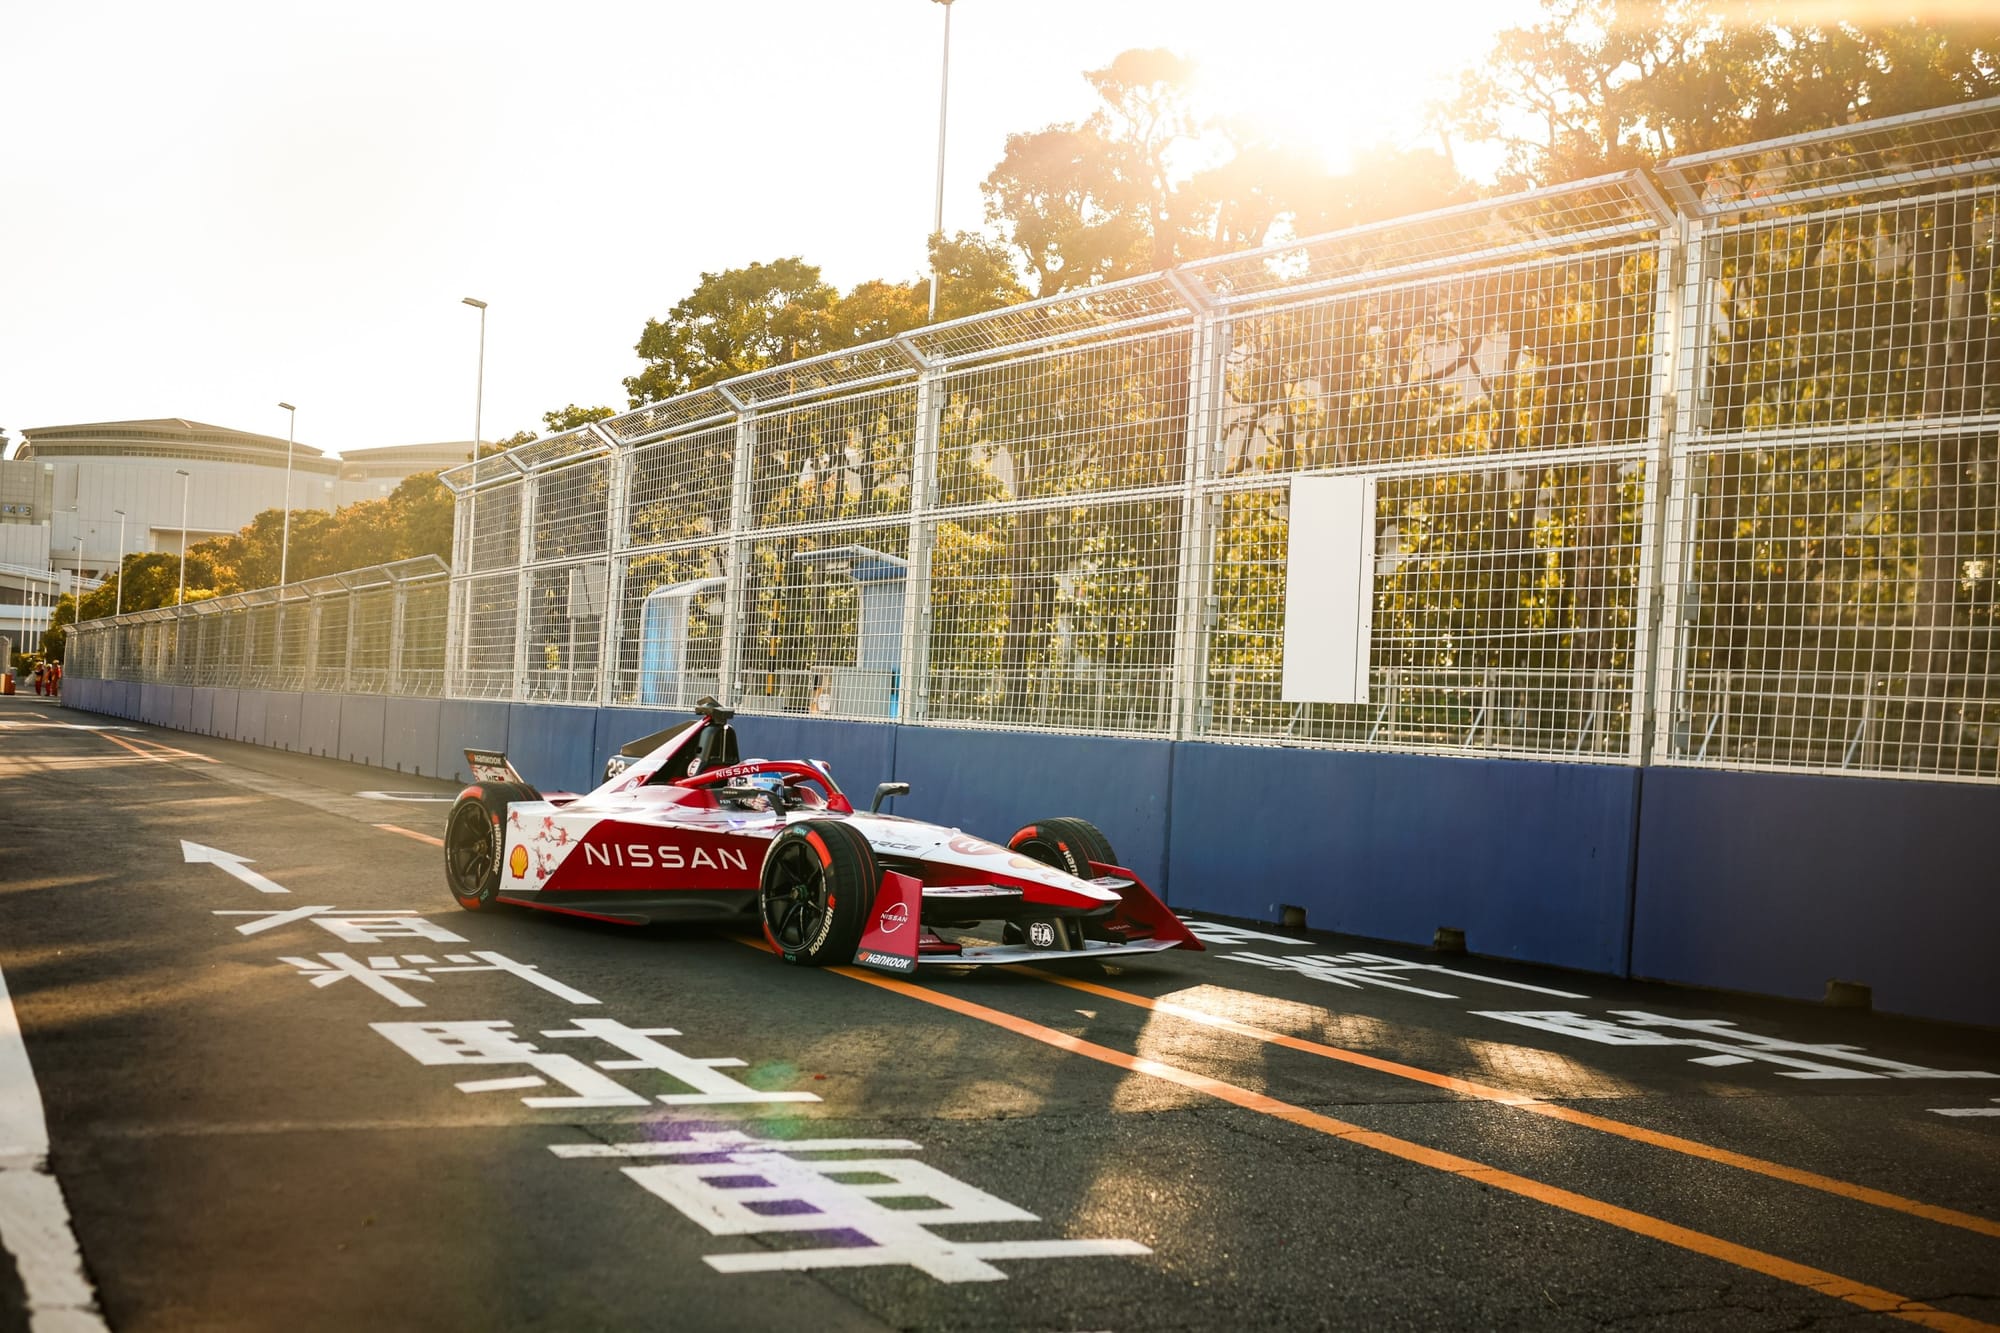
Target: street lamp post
pixel 187 481
pixel 472 498
pixel 285 543
pixel 944 101
pixel 479 392
pixel 121 562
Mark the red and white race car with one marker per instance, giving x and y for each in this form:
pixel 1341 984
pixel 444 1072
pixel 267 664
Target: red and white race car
pixel 683 829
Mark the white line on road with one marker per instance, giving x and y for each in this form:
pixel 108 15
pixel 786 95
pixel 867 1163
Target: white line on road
pixel 34 1221
pixel 1967 1110
pixel 230 863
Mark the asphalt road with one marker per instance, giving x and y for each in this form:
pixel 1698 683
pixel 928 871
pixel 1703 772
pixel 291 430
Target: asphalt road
pixel 1283 1132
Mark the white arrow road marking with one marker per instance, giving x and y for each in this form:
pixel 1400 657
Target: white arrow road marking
pixel 1968 1110
pixel 34 1220
pixel 195 854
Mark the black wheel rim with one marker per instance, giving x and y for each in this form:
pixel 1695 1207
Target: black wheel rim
pixel 795 894
pixel 1045 851
pixel 469 851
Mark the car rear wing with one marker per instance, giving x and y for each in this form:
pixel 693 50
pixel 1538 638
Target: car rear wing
pixel 491 766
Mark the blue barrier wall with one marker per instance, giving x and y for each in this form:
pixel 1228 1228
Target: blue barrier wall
pixel 200 712
pixel 319 724
pixel 1530 860
pixel 1778 883
pixel 410 736
pixel 222 713
pixel 361 722
pixel 251 708
pixel 859 754
pixel 283 713
pixel 1762 882
pixel 467 724
pixel 551 746
pixel 993 782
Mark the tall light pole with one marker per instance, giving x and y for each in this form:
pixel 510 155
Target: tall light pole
pixel 479 391
pixel 285 545
pixel 121 562
pixel 187 482
pixel 472 499
pixel 944 102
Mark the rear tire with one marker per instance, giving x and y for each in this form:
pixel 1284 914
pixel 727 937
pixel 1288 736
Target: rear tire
pixel 474 837
pixel 1069 845
pixel 819 881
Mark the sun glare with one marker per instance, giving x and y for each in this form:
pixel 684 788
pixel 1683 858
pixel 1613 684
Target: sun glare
pixel 1340 80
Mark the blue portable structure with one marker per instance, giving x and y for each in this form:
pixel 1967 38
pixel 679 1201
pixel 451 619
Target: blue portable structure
pixel 872 687
pixel 666 677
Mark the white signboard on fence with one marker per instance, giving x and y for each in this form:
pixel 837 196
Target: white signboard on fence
pixel 1329 590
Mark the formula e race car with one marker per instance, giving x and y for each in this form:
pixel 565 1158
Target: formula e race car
pixel 683 829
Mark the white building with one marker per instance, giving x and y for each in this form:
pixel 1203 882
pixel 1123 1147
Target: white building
pixel 61 492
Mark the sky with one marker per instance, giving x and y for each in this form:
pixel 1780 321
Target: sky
pixel 207 208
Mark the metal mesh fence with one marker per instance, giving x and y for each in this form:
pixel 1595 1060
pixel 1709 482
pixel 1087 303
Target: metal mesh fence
pixel 379 630
pixel 1715 483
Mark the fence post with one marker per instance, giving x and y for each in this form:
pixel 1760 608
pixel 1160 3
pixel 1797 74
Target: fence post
pixel 353 625
pixel 617 536
pixel 1669 284
pixel 733 562
pixel 913 665
pixel 1207 337
pixel 524 584
pixel 457 603
pixel 315 613
pixel 399 610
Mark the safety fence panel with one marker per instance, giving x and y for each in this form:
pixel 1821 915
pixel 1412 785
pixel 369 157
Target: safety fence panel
pixel 379 630
pixel 1835 522
pixel 1713 481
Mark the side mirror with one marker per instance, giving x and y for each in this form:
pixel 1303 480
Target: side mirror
pixel 884 792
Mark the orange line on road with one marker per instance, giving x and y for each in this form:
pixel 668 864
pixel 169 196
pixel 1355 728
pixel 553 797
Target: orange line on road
pixel 1873 1299
pixel 1525 1102
pixel 411 833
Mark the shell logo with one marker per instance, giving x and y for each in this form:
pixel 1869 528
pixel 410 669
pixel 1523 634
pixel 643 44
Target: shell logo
pixel 518 862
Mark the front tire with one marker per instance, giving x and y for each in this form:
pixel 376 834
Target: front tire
pixel 818 883
pixel 1069 845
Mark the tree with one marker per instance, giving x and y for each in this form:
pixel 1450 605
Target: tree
pixel 975 274
pixel 734 322
pixel 569 418
pixel 1599 85
pixel 1149 180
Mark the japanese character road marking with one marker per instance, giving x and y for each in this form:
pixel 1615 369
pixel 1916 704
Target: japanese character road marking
pixel 1355 970
pixel 381 972
pixel 755 1188
pixel 492 1042
pixel 352 925
pixel 1728 1045
pixel 1968 1110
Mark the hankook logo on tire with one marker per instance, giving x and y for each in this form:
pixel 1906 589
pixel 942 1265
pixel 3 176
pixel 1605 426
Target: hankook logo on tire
pixel 894 917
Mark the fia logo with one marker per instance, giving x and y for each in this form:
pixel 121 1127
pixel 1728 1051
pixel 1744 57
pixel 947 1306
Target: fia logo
pixel 1042 934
